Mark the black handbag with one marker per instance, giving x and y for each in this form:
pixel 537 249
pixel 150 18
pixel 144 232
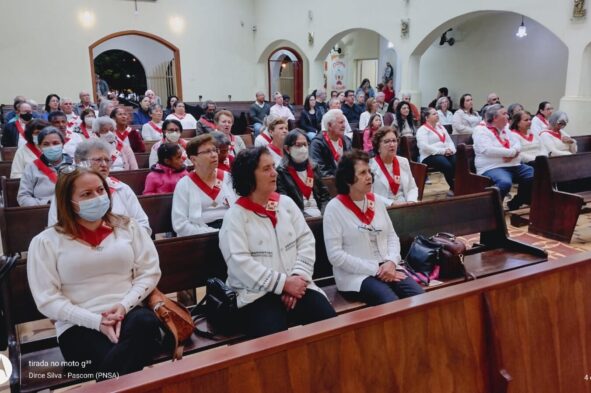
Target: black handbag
pixel 219 307
pixel 422 260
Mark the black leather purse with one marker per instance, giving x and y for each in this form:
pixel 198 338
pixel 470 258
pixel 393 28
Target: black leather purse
pixel 422 260
pixel 219 307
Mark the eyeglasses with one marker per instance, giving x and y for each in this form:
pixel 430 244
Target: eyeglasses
pixel 99 161
pixel 68 169
pixel 388 141
pixel 209 151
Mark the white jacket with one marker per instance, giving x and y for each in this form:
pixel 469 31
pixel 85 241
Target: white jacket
pixel 464 123
pixel 260 257
pixel 407 192
pixel 22 157
pixel 348 244
pixel 553 146
pixel 489 152
pixel 429 144
pixel 530 150
pixel 538 125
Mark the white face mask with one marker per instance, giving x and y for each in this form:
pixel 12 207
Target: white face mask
pixel 299 154
pixel 173 136
pixel 88 121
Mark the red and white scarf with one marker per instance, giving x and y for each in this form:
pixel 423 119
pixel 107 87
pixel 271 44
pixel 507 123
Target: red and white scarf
pixel 270 209
pixel 365 217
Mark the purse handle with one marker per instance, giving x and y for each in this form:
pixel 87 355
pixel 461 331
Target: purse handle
pixel 446 234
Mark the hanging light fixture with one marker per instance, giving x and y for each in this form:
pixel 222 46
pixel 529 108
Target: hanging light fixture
pixel 522 30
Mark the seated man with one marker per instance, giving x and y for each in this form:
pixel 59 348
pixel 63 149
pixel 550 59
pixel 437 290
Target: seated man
pixel 14 133
pixel 287 104
pixel 497 156
pixel 67 107
pixel 328 146
pixel 11 116
pixel 258 111
pixel 350 110
pixel 154 99
pixel 279 110
pixel 382 104
pixel 335 103
pixel 84 103
pixel 59 121
pixel 491 99
pixel 206 123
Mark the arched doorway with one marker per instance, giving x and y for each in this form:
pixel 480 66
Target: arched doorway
pixel 159 58
pixel 121 70
pixel 285 70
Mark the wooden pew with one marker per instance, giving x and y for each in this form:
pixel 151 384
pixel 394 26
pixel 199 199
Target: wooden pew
pixel 188 133
pixel 466 181
pixel 7 153
pixel 143 159
pixel 408 148
pixel 511 331
pixel 461 138
pixel 247 138
pixel 583 143
pixel 5 168
pixel 158 209
pixel 561 187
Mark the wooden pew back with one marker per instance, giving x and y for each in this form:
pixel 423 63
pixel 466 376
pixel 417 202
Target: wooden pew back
pixel 7 153
pixel 466 181
pixel 135 179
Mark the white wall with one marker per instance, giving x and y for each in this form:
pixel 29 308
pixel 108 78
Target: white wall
pixel 491 58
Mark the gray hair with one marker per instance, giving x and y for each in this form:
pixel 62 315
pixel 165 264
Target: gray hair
pixel 405 94
pixel 66 99
pixel 491 112
pixel 331 117
pixel 557 117
pixel 102 121
pixel 220 139
pixel 440 101
pixel 103 107
pixel 334 99
pixel 84 149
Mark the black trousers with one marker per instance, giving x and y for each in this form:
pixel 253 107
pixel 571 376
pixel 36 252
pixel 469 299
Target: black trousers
pixel 268 315
pixel 445 165
pixel 139 341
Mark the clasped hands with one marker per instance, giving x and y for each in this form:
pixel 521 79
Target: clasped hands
pixel 294 289
pixel 387 272
pixel 111 322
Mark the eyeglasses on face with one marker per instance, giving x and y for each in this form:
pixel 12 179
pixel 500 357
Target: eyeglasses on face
pixel 99 161
pixel 209 151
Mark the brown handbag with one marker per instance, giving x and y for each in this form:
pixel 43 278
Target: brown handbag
pixel 175 317
pixel 452 259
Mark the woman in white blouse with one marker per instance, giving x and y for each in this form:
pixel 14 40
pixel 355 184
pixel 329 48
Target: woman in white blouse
pixel 442 106
pixel 540 121
pixel 530 142
pixel 224 120
pixel 392 176
pixel 152 130
pixel 436 148
pixel 278 131
pixel 172 130
pixel 555 141
pixel 90 272
pixel 465 119
pixel 122 157
pixel 371 106
pixel 186 119
pixel 360 240
pixel 202 198
pixel 270 252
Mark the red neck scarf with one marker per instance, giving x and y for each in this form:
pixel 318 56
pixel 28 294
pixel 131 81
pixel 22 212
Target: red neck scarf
pixel 111 181
pixel 366 217
pixel 543 119
pixel 123 135
pixel 440 136
pixel 211 192
pixel 275 149
pixel 155 127
pixel 505 143
pixel 335 155
pixel 96 237
pixel 557 135
pixel 34 149
pixel 73 121
pixel 117 151
pixel 231 151
pixel 207 123
pixel 266 137
pixel 20 128
pixel 529 137
pixel 270 210
pixel 394 182
pixel 305 188
pixel 179 117
pixel 227 164
pixel 47 171
pixel 84 131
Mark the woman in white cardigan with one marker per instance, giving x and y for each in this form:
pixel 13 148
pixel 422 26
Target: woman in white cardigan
pixel 540 121
pixel 360 240
pixel 270 251
pixel 555 141
pixel 202 198
pixel 465 119
pixel 29 152
pixel 393 179
pixel 90 272
pixel 531 146
pixel 436 148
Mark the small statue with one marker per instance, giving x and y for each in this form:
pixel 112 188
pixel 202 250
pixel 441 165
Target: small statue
pixel 404 27
pixel 579 10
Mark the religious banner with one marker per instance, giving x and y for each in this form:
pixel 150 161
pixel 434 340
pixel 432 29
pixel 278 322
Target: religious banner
pixel 337 72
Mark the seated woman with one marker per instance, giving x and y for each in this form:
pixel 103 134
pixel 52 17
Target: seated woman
pixel 299 178
pixel 436 148
pixel 96 155
pixel 278 131
pixel 37 184
pixel 90 272
pixel 179 114
pixel 28 152
pixel 465 119
pixel 360 240
pixel 555 141
pixel 166 173
pixel 170 105
pixel 152 130
pixel 142 114
pixel 393 179
pixel 375 123
pixel 270 252
pixel 122 157
pixel 540 121
pixel 125 133
pixel 172 130
pixel 87 117
pixel 225 160
pixel 443 110
pixel 371 108
pixel 310 118
pixel 224 120
pixel 202 198
pixel 530 143
pixel 264 138
pixel 405 119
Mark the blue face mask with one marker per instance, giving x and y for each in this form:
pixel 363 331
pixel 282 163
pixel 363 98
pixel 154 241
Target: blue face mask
pixel 53 153
pixel 94 209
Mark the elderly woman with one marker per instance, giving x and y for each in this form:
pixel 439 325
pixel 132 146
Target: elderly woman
pixel 30 151
pixel 166 173
pixel 125 133
pixel 37 184
pixel 443 110
pixel 202 198
pixel 172 130
pixel 530 143
pixel 95 154
pixel 270 252
pixel 393 179
pixel 497 154
pixel 405 119
pixel 371 107
pixel 87 117
pixel 142 114
pixel 360 240
pixel 540 121
pixel 223 122
pixel 436 148
pixel 310 118
pixel 122 157
pixel 105 108
pixel 225 160
pixel 375 123
pixel 179 114
pixel 90 272
pixel 555 141
pixel 278 131
pixel 514 109
pixel 152 130
pixel 465 119
pixel 264 138
pixel 299 178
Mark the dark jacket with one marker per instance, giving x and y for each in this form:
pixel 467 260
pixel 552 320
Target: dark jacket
pixel 309 122
pixel 321 155
pixel 286 185
pixel 352 113
pixel 10 135
pixel 141 117
pixel 257 114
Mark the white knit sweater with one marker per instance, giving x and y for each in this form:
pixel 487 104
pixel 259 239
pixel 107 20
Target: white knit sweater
pixel 489 152
pixel 553 146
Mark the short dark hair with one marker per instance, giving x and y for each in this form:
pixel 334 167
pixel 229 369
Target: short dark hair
pixel 542 106
pixel 347 92
pixel 48 131
pixel 516 118
pixel 32 126
pixel 48 98
pixel 173 121
pixel 377 137
pixel 166 151
pixel 345 175
pixel 246 162
pixel 307 102
pixel 55 114
pixel 193 146
pixel 444 91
